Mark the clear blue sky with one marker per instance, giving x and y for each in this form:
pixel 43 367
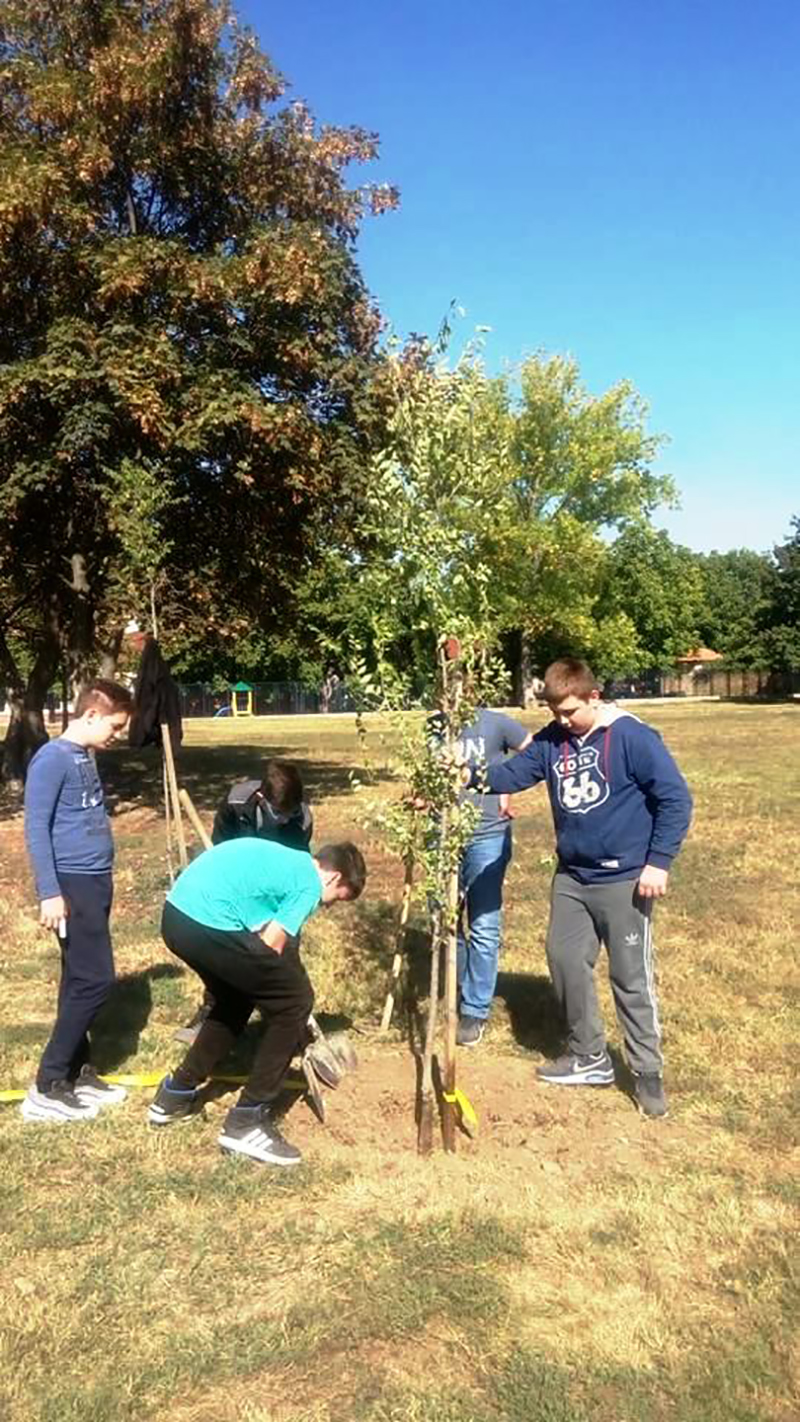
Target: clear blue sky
pixel 619 179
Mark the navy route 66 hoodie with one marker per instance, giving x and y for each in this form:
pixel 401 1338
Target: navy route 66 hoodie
pixel 618 799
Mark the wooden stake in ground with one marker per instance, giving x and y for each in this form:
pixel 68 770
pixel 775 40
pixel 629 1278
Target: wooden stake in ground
pixel 450 703
pixel 426 1100
pixel 168 815
pixel 449 1113
pixel 397 961
pixel 173 787
pixel 194 819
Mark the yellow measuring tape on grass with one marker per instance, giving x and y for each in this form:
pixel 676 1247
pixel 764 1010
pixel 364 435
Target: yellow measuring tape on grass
pixel 465 1106
pixel 292 1082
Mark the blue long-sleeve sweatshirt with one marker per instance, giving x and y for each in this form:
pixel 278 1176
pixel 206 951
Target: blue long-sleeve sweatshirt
pixel 618 799
pixel 66 825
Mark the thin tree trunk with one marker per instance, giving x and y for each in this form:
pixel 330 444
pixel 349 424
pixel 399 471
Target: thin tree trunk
pixel 397 961
pixel 109 656
pixel 523 676
pixel 26 727
pixel 426 1105
pixel 80 630
pixel 449 1114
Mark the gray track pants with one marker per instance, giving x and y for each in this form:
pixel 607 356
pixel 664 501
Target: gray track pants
pixel 582 916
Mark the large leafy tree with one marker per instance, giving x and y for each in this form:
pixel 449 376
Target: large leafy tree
pixel 187 350
pixel 780 616
pixel 580 466
pixel 659 586
pixel 736 600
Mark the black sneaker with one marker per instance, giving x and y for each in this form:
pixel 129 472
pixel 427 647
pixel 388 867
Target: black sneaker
pixel 572 1070
pixel 58 1103
pixel 91 1088
pixel 649 1091
pixel 469 1031
pixel 251 1131
pixel 172 1103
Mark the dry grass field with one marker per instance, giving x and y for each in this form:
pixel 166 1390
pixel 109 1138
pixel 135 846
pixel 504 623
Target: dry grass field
pixel 573 1263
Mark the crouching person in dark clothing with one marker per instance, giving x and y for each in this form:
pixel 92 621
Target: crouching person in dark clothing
pixel 231 917
pixel 272 808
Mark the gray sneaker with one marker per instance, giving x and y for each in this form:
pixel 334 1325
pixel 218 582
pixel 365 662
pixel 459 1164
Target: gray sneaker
pixel 572 1070
pixel 470 1030
pixel 91 1088
pixel 649 1092
pixel 251 1131
pixel 57 1103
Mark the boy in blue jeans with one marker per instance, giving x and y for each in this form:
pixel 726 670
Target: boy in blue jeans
pixel 484 861
pixel 71 850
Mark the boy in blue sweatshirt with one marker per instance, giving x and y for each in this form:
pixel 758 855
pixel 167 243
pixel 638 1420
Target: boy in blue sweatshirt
pixel 71 850
pixel 621 809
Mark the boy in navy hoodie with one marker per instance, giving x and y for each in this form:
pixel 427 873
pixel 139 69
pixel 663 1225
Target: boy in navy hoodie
pixel 621 809
pixel 71 850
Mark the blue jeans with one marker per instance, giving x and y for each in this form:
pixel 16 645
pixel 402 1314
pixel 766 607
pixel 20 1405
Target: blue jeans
pixel 483 868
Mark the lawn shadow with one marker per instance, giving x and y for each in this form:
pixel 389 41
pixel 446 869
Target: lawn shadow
pixel 116 1031
pixel 207 773
pixel 534 1014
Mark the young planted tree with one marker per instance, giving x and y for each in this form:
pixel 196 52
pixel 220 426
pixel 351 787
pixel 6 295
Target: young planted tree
pixel 426 620
pixel 187 349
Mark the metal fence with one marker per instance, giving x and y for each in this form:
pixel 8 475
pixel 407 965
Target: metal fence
pixel 270 698
pixel 293 698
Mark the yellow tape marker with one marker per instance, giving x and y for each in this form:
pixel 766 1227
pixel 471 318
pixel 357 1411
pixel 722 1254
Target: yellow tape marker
pixel 154 1078
pixel 465 1106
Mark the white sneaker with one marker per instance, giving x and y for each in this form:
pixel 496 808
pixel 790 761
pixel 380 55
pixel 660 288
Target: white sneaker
pixel 58 1103
pixel 91 1088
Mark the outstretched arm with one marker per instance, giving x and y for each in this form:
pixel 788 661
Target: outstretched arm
pixel 671 805
pixel 511 776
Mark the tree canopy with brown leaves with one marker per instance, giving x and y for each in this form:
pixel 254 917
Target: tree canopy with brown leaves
pixel 187 348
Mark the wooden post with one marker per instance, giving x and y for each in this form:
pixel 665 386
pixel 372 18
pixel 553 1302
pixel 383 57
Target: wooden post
pixel 397 961
pixel 449 1113
pixel 451 697
pixel 194 819
pixel 173 786
pixel 168 820
pixel 426 1103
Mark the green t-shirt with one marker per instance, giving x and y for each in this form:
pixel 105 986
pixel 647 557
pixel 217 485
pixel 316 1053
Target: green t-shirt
pixel 246 883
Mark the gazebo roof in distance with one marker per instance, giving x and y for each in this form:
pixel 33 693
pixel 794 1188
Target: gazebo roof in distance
pixel 701 654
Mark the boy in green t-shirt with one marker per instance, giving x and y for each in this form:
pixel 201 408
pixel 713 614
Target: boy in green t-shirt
pixel 233 916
